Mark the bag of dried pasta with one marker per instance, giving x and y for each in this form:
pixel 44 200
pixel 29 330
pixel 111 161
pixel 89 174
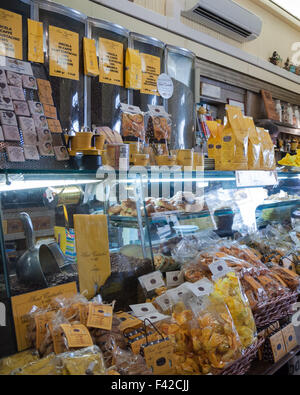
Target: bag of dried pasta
pixel 86 361
pixel 202 330
pixel 227 287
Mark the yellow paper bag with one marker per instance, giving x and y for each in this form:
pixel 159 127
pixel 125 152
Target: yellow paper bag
pixel 90 57
pixel 35 41
pixel 234 151
pixel 254 146
pixel 133 75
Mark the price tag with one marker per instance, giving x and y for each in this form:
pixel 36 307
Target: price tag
pixel 164 302
pixel 177 294
pixel 77 335
pixel 142 309
pixel 201 288
pixel 219 269
pixel 256 178
pixel 174 279
pixel 154 317
pixel 152 281
pixel 100 316
pixel 165 86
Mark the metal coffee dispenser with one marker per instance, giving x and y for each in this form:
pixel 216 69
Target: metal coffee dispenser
pixel 180 66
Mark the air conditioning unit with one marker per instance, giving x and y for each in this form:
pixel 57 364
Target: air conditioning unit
pixel 225 17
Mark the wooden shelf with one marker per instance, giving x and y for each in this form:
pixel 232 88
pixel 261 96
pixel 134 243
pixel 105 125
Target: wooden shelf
pixel 265 368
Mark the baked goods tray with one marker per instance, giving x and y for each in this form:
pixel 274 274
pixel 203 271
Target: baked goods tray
pixel 243 364
pixel 274 310
pixel 133 221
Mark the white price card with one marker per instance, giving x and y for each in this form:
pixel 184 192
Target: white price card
pixel 201 288
pixel 165 86
pixel 219 269
pixel 247 178
pixel 164 302
pixel 142 309
pixel 174 279
pixel 152 281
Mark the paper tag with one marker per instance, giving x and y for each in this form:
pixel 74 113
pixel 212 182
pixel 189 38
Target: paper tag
pixel 153 317
pixel 142 309
pixel 100 316
pixel 165 86
pixel 289 337
pixel 201 288
pixel 164 302
pixel 174 279
pixel 219 269
pixel 256 178
pixel 128 321
pixel 176 294
pixel 159 357
pixel 158 111
pixel 77 335
pixel 152 281
pixel 130 109
pixel 278 346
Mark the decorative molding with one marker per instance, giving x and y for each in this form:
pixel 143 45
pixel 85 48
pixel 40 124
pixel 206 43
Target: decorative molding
pixel 174 25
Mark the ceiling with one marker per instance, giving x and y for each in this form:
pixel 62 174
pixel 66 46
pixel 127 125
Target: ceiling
pixel 290 6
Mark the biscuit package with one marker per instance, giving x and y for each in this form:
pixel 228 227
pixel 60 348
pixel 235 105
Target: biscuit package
pixel 132 122
pixel 159 125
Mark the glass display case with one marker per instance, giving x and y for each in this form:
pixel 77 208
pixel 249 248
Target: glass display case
pixel 150 214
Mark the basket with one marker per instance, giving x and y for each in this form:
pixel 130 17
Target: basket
pixel 243 364
pixel 274 310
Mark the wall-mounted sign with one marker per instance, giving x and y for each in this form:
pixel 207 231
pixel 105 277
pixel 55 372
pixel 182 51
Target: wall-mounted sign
pixel 165 86
pixel 111 62
pixel 63 53
pixel 210 90
pixel 11 43
pixel 150 74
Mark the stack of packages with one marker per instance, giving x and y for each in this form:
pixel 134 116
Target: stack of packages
pixel 76 337
pixel 261 283
pixel 209 324
pixel 240 145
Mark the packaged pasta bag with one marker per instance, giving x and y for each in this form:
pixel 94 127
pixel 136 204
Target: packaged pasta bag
pixel 202 330
pixel 37 330
pixel 159 125
pixel 84 362
pixel 227 286
pixel 132 123
pixel 13 362
pixel 254 146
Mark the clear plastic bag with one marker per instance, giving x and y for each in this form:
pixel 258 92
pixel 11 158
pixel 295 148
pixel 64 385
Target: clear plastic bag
pixel 228 289
pixel 203 333
pixel 87 361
